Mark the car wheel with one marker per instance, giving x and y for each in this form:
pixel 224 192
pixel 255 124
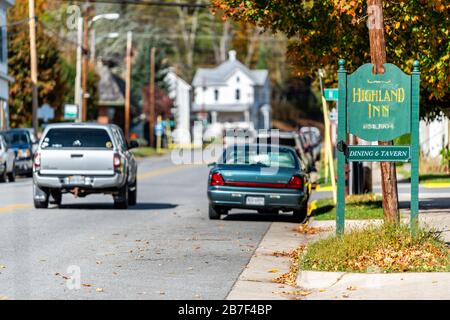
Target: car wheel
pixel 121 199
pixel 57 197
pixel 40 197
pixel 132 194
pixel 3 176
pixel 301 214
pixel 12 175
pixel 214 212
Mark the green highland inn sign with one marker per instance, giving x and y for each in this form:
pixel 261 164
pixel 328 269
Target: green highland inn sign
pixel 378 107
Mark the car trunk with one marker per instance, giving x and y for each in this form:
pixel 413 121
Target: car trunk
pixel 77 162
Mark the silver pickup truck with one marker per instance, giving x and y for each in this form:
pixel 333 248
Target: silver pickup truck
pixel 82 159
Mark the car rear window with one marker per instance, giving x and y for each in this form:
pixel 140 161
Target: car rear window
pixel 13 138
pixel 77 138
pixel 267 158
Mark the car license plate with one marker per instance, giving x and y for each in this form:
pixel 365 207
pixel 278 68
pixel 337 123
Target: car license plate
pixel 76 180
pixel 255 201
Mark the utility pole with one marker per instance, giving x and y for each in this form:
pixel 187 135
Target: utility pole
pixel 378 58
pixel 79 67
pixel 151 116
pixel 87 15
pixel 34 71
pixel 128 84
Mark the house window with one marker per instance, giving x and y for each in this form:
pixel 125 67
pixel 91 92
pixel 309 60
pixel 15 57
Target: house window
pixel 238 79
pixel 238 94
pixel 216 95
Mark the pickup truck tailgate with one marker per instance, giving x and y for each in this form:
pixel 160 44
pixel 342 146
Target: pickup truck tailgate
pixel 77 162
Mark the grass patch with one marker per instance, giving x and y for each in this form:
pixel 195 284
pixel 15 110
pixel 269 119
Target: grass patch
pixel 144 152
pixel 385 248
pixel 427 177
pixel 366 206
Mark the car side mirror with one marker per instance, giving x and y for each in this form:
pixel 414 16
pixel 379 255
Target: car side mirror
pixel 212 164
pixel 133 144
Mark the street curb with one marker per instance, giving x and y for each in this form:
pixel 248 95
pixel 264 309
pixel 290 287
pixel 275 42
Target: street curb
pixel 324 280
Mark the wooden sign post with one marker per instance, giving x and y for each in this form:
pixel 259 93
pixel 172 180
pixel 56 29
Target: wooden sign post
pixel 378 107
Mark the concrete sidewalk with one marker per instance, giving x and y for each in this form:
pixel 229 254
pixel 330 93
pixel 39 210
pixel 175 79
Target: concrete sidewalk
pixel 256 282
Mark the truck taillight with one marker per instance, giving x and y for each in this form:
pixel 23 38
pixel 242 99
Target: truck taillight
pixel 117 161
pixel 295 183
pixel 37 160
pixel 217 179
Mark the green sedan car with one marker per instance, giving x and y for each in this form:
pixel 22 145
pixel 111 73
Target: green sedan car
pixel 265 178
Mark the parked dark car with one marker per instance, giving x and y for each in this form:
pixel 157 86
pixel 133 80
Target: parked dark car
pixel 23 142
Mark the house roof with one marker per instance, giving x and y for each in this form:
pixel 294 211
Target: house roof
pixel 111 88
pixel 219 75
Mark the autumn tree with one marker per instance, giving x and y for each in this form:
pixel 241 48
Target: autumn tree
pixel 320 32
pixel 50 86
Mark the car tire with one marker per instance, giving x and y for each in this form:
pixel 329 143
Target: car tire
pixel 121 200
pixel 132 194
pixel 300 215
pixel 12 175
pixel 57 197
pixel 40 203
pixel 3 176
pixel 214 212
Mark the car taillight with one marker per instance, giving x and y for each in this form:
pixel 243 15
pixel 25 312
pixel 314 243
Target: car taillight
pixel 217 179
pixel 37 161
pixel 117 161
pixel 295 183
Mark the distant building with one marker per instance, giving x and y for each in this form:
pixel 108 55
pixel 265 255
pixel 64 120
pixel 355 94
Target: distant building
pixel 111 92
pixel 180 93
pixel 233 93
pixel 434 136
pixel 5 79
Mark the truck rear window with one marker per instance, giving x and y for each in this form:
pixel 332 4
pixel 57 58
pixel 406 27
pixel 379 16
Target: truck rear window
pixel 77 138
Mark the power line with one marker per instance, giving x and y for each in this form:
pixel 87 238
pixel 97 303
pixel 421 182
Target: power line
pixel 146 3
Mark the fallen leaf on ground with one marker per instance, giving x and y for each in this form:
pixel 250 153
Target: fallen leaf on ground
pixel 87 285
pixel 2 266
pixel 302 293
pixel 99 290
pixel 351 288
pixel 274 270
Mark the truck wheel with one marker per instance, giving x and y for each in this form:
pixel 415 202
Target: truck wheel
pixel 132 194
pixel 3 176
pixel 214 212
pixel 57 197
pixel 40 197
pixel 12 175
pixel 121 199
pixel 300 215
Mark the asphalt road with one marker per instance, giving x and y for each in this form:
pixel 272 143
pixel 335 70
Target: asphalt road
pixel 164 248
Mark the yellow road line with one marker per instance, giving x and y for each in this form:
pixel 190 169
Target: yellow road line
pixel 163 171
pixel 146 175
pixel 436 185
pixel 13 207
pixel 323 189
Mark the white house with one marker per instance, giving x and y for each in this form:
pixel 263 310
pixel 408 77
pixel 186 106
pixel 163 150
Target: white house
pixel 5 79
pixel 180 93
pixel 434 136
pixel 233 93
